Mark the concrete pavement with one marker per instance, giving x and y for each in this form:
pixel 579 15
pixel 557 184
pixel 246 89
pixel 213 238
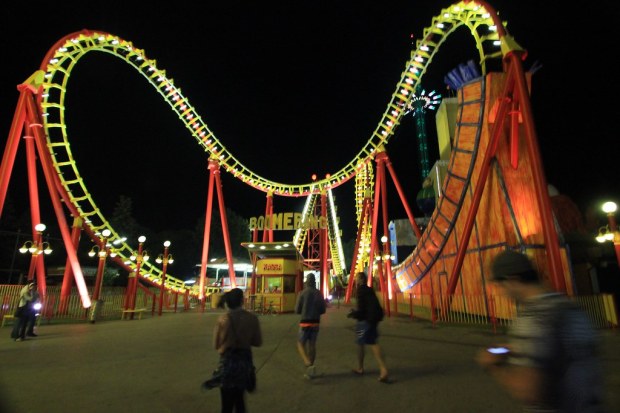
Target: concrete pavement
pixel 157 364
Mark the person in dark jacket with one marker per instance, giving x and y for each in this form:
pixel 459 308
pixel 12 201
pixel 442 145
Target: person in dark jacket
pixel 310 304
pixel 368 315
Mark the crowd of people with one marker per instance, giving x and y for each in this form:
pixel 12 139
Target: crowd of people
pixel 550 362
pixel 238 330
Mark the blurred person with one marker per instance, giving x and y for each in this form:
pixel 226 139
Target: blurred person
pixel 551 362
pixel 235 333
pixel 32 314
pixel 311 305
pixel 22 314
pixel 368 314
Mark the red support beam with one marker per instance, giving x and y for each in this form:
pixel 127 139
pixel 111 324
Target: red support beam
pixel 67 279
pixel 224 220
pixel 399 189
pixel 385 257
pixel 267 228
pixel 324 248
pixel 206 239
pixel 12 144
pixel 34 119
pixel 540 182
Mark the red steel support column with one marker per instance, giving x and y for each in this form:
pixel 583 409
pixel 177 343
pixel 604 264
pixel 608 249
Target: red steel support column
pixel 375 217
pixel 414 226
pixel 67 279
pixel 35 215
pixel 268 222
pixel 205 241
pixel 48 170
pixel 253 260
pixel 99 278
pixel 540 182
pixel 164 267
pixel 12 144
pixel 324 243
pixel 103 255
pixel 386 246
pixel 229 256
pixel 133 288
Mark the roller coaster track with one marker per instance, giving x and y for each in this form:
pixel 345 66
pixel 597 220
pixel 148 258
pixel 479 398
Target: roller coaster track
pixel 53 80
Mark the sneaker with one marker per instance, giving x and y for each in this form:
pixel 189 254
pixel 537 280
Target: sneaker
pixel 33 335
pixel 310 372
pixel 19 339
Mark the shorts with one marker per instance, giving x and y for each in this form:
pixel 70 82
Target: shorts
pixel 308 334
pixel 366 333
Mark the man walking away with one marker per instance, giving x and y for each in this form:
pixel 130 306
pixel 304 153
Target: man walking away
pixel 310 304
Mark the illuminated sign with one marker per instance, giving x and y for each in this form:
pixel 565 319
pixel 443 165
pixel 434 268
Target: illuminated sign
pixel 287 221
pixel 276 266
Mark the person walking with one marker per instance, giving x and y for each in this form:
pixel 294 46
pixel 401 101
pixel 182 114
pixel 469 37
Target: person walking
pixel 235 333
pixel 311 305
pixel 32 312
pixel 551 361
pixel 22 314
pixel 368 314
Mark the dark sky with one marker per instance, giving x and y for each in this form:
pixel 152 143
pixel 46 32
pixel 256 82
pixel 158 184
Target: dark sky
pixel 296 88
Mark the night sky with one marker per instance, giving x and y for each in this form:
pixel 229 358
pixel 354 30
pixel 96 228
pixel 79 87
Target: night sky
pixel 296 88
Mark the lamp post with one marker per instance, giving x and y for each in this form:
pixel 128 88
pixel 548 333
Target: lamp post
pixel 36 247
pixel 102 251
pixel 387 262
pixel 164 259
pixel 132 287
pixel 610 232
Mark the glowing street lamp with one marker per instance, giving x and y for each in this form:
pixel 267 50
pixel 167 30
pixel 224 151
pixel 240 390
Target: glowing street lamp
pixel 387 260
pixel 132 287
pixel 36 247
pixel 164 259
pixel 102 251
pixel 610 232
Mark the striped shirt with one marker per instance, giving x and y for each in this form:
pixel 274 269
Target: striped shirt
pixel 552 334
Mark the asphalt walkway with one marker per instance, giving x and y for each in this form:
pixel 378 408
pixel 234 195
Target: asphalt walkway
pixel 157 364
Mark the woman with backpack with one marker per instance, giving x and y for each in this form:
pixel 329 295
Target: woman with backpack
pixel 368 315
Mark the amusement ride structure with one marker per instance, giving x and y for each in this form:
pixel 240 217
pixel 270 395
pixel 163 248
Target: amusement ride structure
pixel 493 197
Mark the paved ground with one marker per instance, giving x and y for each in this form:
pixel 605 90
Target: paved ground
pixel 156 365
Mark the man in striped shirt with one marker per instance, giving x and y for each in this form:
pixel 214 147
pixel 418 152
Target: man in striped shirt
pixel 551 362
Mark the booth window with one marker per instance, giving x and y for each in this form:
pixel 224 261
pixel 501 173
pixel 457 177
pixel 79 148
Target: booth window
pixel 289 284
pixel 273 284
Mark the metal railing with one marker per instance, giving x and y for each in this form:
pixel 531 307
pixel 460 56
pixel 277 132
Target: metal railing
pixel 497 311
pixel 112 303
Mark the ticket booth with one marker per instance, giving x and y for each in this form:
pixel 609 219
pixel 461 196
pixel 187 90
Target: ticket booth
pixel 277 277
